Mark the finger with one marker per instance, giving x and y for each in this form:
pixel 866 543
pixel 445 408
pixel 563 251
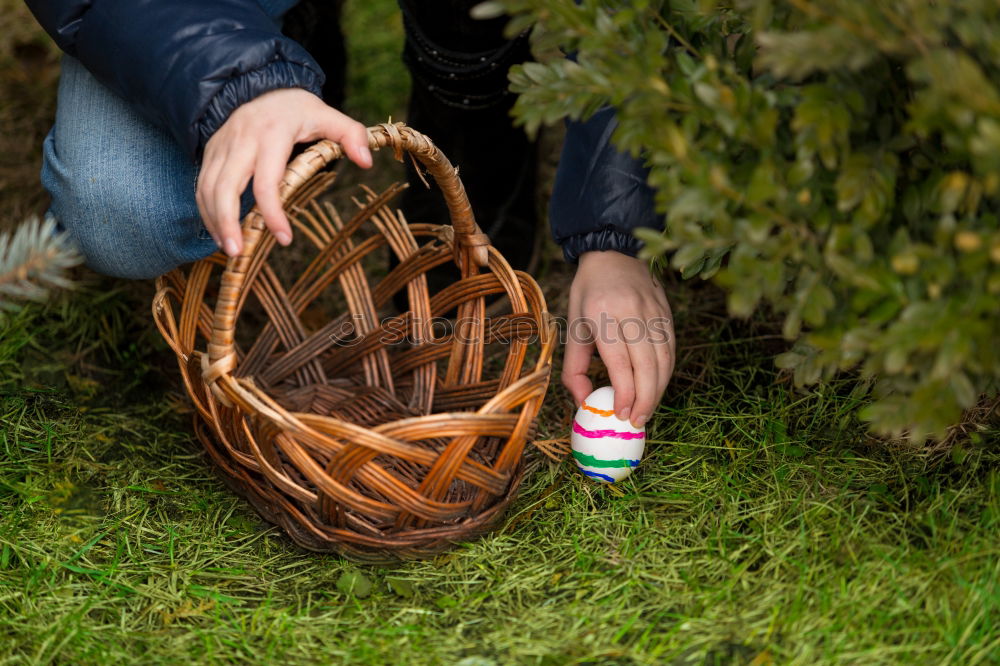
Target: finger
pixel 646 378
pixel 350 134
pixel 662 338
pixel 271 162
pixel 614 353
pixel 664 370
pixel 670 352
pixel 233 180
pixel 207 176
pixel 576 359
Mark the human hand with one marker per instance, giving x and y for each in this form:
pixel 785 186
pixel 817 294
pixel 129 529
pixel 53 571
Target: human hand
pixel 256 142
pixel 625 309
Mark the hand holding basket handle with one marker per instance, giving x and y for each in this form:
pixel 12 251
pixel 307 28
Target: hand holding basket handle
pixel 397 136
pixel 256 142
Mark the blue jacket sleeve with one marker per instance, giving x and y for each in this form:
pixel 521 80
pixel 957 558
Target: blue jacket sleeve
pixel 600 194
pixel 184 64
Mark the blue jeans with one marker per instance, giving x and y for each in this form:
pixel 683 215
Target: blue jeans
pixel 121 187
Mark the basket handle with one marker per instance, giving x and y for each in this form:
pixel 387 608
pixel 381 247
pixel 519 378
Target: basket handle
pixel 469 239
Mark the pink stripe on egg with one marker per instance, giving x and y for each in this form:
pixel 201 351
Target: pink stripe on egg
pixel 595 434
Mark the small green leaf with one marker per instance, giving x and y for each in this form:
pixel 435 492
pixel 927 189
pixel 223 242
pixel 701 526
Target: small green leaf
pixel 791 329
pixel 965 392
pixel 788 360
pixel 355 583
pixel 778 431
pixel 446 601
pixel 912 205
pixel 688 255
pixel 762 186
pixel 213 594
pixel 239 522
pixel 800 172
pixel 401 587
pixel 743 299
pixel 655 243
pixel 706 93
pixel 686 63
pixel 815 307
pixel 792 450
pixel 895 360
pixel 880 491
pixel 693 268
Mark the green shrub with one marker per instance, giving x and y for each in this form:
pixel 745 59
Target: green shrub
pixel 838 160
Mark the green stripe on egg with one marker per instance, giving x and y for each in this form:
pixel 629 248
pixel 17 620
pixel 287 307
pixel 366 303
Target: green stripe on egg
pixel 591 461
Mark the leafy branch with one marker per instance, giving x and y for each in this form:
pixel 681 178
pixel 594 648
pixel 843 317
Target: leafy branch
pixel 838 161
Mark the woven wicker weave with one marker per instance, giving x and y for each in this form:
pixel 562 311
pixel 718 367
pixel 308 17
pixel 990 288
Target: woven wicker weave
pixel 332 426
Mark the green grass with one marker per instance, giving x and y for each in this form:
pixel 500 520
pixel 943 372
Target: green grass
pixel 764 525
pixel 762 522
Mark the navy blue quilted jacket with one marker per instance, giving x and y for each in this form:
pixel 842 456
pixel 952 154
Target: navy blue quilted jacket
pixel 187 64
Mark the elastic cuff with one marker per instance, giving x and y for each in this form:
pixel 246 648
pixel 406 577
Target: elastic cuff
pixel 252 84
pixel 608 238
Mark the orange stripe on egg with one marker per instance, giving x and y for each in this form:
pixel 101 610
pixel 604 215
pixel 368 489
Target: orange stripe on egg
pixel 595 410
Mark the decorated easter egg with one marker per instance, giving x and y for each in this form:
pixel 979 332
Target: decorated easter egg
pixel 605 448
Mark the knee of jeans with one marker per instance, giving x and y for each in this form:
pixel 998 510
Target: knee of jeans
pixel 113 243
pixel 118 261
pixel 128 233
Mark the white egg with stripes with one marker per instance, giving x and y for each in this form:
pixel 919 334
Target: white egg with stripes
pixel 605 448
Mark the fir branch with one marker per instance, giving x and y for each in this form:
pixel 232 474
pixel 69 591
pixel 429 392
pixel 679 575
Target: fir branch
pixel 34 260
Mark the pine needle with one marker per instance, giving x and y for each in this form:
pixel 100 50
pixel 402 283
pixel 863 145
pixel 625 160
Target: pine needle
pixel 33 261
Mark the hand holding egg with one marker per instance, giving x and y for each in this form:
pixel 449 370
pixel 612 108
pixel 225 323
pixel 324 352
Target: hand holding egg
pixel 605 448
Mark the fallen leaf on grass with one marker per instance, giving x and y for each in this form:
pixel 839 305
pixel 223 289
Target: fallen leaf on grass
pixel 354 582
pixel 401 587
pixel 446 601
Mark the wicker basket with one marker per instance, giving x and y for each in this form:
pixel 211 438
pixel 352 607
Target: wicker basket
pixel 376 438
